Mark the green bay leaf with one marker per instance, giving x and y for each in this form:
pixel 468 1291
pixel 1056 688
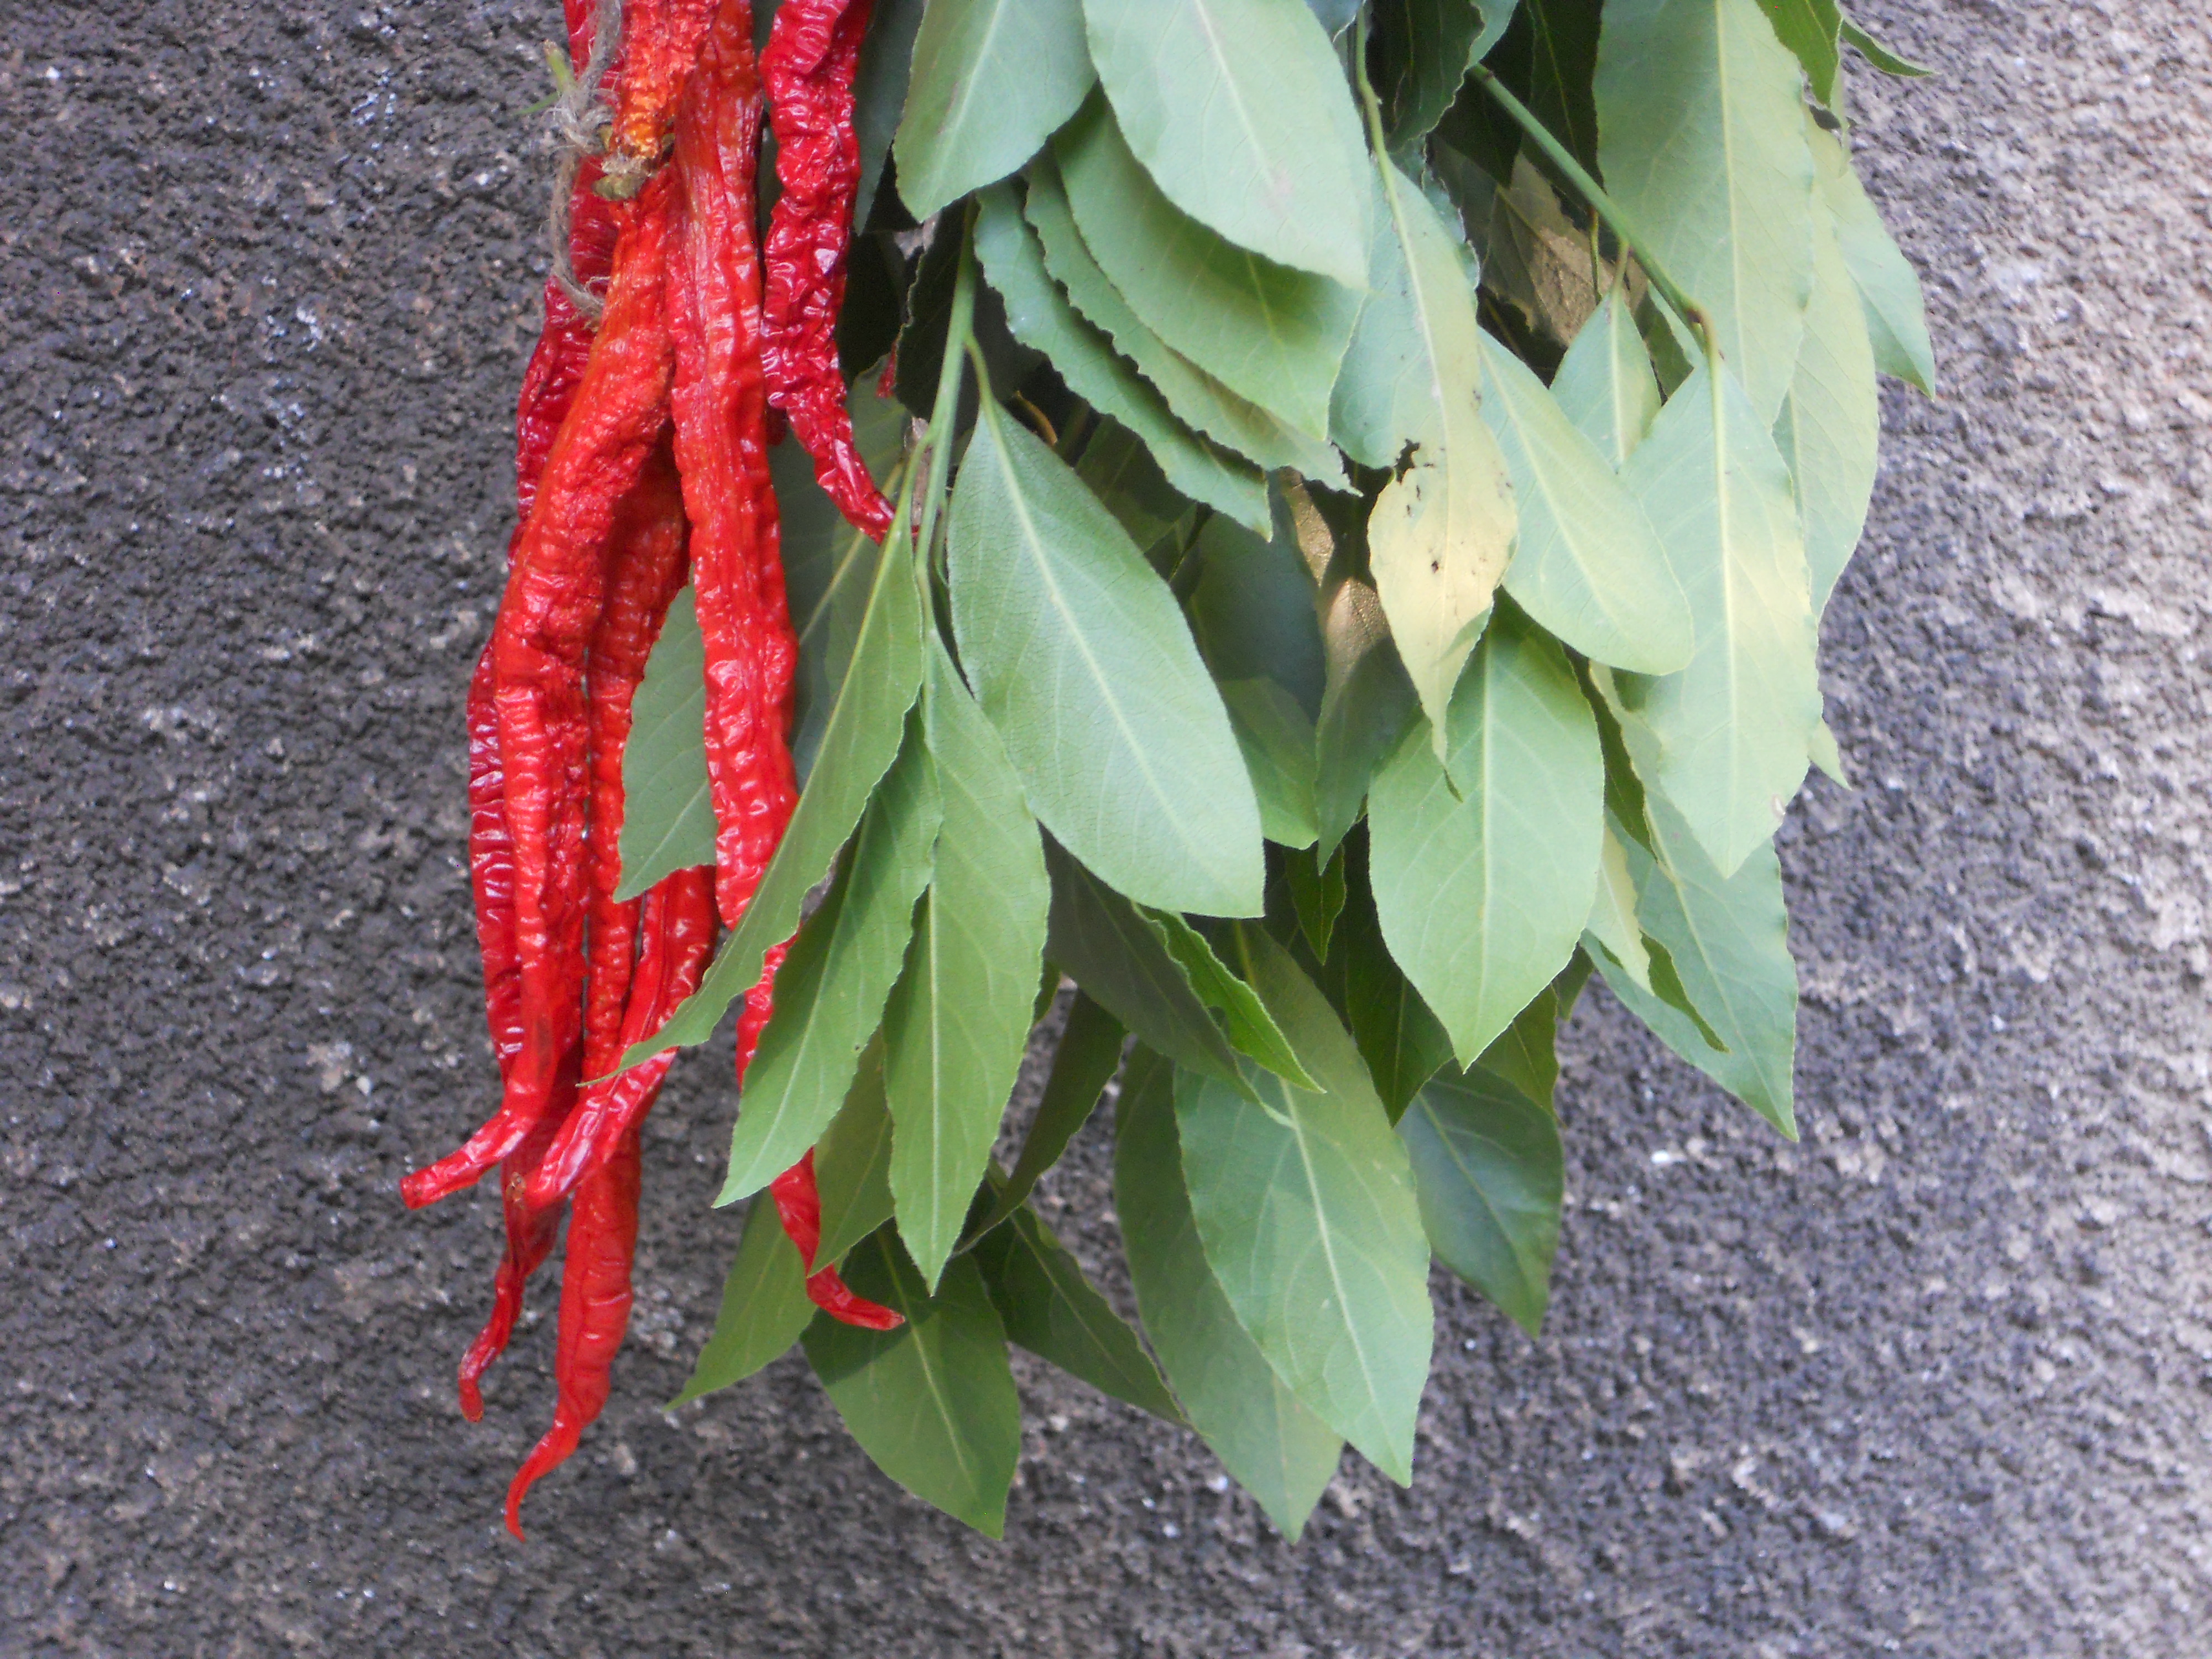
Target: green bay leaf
pixel 861 738
pixel 828 566
pixel 1809 28
pixel 1274 1447
pixel 1197 398
pixel 1278 741
pixel 1483 895
pixel 1269 332
pixel 1251 1030
pixel 992 80
pixel 959 1020
pixel 1084 1063
pixel 1726 942
pixel 1242 119
pixel 1605 384
pixel 933 1402
pixel 1490 1174
pixel 853 1162
pixel 1304 1202
pixel 1889 289
pixel 879 91
pixel 1587 566
pixel 1117 955
pixel 1418 54
pixel 829 992
pixel 1040 316
pixel 1880 56
pixel 1732 727
pixel 764 1308
pixel 1400 1038
pixel 668 811
pixel 1440 532
pixel 1701 140
pixel 1562 56
pixel 1830 427
pixel 1049 1308
pixel 1082 659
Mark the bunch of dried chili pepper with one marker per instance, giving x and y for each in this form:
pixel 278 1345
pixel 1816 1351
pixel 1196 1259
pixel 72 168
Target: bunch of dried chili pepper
pixel 641 459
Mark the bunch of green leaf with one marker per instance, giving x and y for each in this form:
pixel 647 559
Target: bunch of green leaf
pixel 1407 452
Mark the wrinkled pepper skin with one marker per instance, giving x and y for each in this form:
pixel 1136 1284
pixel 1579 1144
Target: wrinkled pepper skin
pixel 661 42
pixel 812 54
pixel 532 1231
pixel 678 934
pixel 648 568
pixel 539 645
pixel 720 406
pixel 595 1303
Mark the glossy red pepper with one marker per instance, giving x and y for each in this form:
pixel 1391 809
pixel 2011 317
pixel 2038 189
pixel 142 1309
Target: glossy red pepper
pixel 812 54
pixel 797 1203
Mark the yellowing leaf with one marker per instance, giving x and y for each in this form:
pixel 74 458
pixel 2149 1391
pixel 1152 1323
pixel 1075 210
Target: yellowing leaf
pixel 1440 534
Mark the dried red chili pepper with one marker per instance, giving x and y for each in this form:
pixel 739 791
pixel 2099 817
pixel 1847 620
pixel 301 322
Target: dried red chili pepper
pixel 647 570
pixel 532 1230
pixel 678 935
pixel 813 52
pixel 797 1203
pixel 545 623
pixel 595 1301
pixel 719 402
pixel 661 42
pixel 529 1234
pixel 549 391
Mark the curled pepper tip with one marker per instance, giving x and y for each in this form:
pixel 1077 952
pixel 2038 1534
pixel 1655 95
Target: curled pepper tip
pixel 421 1189
pixel 827 1291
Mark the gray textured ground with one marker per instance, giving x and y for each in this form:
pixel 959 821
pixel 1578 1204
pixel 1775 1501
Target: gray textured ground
pixel 1934 1383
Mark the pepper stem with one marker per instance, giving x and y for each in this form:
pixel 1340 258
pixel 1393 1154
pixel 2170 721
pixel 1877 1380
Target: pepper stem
pixel 1601 204
pixel 944 413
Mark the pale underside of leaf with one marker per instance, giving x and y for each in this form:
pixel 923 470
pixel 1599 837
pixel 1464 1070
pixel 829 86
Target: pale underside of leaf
pixel 1040 316
pixel 1701 142
pixel 1239 112
pixel 1830 427
pixel 1440 534
pixel 1587 565
pixel 1195 397
pixel 1482 894
pixel 1732 727
pixel 1268 332
pixel 1889 289
pixel 992 80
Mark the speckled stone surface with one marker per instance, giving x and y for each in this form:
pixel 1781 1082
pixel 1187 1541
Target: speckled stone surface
pixel 1933 1382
